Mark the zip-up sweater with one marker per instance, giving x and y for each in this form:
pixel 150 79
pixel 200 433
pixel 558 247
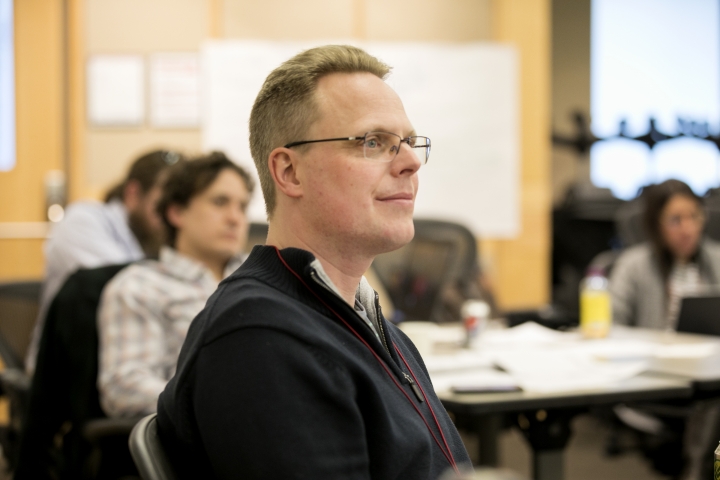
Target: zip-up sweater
pixel 272 384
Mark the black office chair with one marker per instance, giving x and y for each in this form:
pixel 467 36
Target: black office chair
pixel 19 302
pixel 430 277
pixel 629 222
pixel 64 400
pixel 148 452
pixel 257 234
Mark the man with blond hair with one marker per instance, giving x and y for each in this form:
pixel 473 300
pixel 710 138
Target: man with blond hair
pixel 291 371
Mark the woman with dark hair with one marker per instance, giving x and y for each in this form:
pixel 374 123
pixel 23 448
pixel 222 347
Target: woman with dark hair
pixel 647 284
pixel 649 279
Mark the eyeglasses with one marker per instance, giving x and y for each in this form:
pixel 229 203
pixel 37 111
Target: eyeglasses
pixel 380 147
pixel 675 221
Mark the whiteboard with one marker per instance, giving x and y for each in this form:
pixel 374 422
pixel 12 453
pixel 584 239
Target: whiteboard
pixel 462 96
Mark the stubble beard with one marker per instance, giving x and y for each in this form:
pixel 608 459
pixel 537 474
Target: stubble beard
pixel 150 240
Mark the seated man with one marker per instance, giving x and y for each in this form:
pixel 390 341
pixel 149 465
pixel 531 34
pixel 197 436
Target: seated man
pixel 146 309
pixel 123 229
pixel 291 371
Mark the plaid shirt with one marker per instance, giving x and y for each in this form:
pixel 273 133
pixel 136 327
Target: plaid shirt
pixel 143 318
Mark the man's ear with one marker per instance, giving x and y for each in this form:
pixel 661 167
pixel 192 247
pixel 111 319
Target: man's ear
pixel 175 215
pixel 283 168
pixel 132 195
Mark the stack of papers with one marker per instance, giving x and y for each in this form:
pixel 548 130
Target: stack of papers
pixel 542 360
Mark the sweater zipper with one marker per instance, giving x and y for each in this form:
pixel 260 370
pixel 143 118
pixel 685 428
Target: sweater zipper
pixel 379 322
pixel 319 281
pixel 414 387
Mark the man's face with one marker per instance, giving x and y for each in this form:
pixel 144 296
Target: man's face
pixel 362 206
pixel 213 225
pixel 145 222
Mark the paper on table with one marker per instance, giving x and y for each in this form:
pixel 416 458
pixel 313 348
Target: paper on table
pixel 687 350
pixel 564 369
pixel 529 333
pixel 463 360
pixel 618 349
pixel 476 379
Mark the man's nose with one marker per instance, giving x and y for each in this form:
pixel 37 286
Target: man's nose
pixel 407 161
pixel 236 215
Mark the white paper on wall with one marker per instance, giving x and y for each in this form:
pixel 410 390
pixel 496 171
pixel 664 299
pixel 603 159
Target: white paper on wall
pixel 462 96
pixel 116 90
pixel 175 90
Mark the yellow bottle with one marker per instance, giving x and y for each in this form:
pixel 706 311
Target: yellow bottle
pixel 595 307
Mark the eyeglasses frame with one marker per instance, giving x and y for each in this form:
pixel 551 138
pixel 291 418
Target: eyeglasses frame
pixel 344 139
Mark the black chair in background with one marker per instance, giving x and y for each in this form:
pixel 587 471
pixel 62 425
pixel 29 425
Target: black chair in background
pixel 64 401
pixel 148 453
pixel 19 303
pixel 430 277
pixel 257 234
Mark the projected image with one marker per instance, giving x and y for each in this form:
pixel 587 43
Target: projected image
pixel 655 59
pixel 7 87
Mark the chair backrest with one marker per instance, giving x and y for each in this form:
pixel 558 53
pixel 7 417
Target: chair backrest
pixel 19 302
pixel 147 451
pixel 712 224
pixel 629 223
pixel 257 234
pixel 440 262
pixel 64 385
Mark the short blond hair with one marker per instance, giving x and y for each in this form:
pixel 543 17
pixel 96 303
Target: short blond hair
pixel 285 107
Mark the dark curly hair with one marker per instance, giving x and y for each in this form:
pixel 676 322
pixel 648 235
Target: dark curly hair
pixel 186 180
pixel 145 170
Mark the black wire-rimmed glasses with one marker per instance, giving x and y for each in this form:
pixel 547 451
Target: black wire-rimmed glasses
pixel 380 146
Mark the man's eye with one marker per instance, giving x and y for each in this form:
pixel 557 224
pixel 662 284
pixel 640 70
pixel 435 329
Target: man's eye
pixel 372 142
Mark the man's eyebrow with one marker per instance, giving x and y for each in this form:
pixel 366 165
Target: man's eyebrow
pixel 387 130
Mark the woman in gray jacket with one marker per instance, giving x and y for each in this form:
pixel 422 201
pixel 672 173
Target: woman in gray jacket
pixel 647 284
pixel 649 279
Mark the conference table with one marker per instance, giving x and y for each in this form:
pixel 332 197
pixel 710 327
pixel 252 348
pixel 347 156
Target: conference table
pixel 631 365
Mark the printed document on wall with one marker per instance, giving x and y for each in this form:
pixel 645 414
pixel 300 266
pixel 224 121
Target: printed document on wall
pixel 116 90
pixel 462 96
pixel 175 90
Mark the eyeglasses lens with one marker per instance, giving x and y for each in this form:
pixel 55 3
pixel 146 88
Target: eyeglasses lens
pixel 383 146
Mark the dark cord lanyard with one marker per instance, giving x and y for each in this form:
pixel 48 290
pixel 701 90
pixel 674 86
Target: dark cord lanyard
pixel 447 453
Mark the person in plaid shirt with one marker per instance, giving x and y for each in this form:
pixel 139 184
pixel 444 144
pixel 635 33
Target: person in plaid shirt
pixel 146 310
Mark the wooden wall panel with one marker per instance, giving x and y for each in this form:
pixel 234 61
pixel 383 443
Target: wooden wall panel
pixel 288 19
pixel 21 259
pixel 520 268
pixel 136 27
pixel 38 86
pixel 429 20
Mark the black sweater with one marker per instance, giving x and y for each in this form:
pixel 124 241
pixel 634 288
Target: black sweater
pixel 271 384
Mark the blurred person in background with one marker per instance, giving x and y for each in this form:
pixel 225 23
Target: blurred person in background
pixel 123 228
pixel 649 280
pixel 647 284
pixel 145 311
